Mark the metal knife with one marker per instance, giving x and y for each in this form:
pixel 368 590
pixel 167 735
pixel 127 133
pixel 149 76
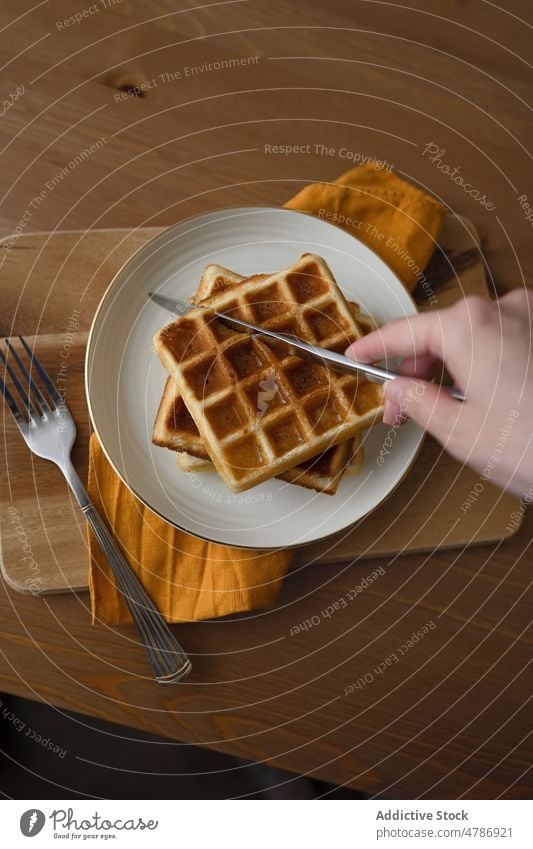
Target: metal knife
pixel 330 359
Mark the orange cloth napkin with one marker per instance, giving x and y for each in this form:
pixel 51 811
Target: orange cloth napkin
pixel 187 578
pixel 397 220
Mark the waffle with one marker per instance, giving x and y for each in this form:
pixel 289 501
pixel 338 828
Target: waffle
pixel 216 279
pixel 189 463
pixel 322 473
pixel 172 428
pixel 219 374
pixel 318 476
pixel 313 475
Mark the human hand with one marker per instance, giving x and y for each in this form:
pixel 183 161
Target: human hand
pixel 486 346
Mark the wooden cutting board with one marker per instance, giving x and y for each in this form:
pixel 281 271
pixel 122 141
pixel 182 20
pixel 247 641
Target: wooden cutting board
pixel 51 285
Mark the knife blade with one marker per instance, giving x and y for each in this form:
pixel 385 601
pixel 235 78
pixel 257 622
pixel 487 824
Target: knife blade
pixel 295 346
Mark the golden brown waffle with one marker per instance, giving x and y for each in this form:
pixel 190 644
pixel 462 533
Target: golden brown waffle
pixel 319 476
pixel 221 375
pixel 189 463
pixel 172 427
pixel 322 473
pixel 216 279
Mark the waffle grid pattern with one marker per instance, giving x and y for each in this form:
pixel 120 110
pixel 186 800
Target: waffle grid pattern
pixel 221 375
pixel 175 429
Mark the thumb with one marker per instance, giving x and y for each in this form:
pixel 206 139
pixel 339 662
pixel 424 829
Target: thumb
pixel 429 405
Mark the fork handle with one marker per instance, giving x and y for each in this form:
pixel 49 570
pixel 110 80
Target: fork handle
pixel 165 655
pixel 167 658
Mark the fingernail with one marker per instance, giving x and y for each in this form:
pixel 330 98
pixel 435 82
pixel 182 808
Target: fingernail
pixel 389 412
pixel 393 392
pixel 354 353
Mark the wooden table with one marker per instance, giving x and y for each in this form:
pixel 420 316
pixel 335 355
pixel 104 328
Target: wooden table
pixel 129 126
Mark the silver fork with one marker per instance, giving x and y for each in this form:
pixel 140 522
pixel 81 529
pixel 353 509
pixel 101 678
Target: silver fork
pixel 49 431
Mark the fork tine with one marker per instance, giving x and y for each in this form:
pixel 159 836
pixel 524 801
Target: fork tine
pixel 26 400
pixel 41 400
pixel 12 404
pixel 49 384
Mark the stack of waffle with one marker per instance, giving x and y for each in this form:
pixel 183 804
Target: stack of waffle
pixel 233 405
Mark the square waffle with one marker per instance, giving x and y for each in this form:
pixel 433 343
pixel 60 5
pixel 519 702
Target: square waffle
pixel 173 428
pixel 219 374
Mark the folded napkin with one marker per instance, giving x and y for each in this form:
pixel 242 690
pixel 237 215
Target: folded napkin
pixel 397 220
pixel 187 578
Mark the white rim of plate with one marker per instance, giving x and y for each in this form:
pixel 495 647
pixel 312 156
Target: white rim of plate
pixel 108 293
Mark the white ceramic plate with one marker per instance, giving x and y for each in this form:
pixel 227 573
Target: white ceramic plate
pixel 124 378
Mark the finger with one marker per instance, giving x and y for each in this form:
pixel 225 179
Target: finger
pixel 423 367
pixel 418 335
pixel 517 302
pixel 429 405
pixel 392 414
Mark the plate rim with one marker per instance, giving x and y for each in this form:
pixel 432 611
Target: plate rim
pixel 190 219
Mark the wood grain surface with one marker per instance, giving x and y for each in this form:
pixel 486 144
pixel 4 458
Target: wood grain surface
pixel 125 120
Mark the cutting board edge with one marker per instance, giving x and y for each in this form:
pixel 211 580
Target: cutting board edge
pixel 423 549
pixel 370 555
pixel 23 590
